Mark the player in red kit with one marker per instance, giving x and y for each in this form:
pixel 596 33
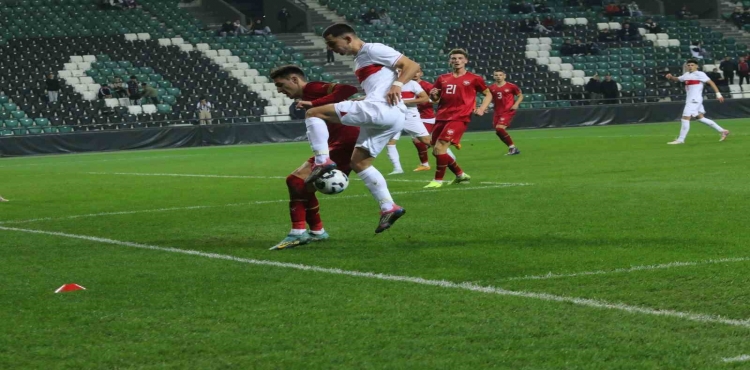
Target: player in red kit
pixel 456 93
pixel 303 204
pixel 427 114
pixel 504 98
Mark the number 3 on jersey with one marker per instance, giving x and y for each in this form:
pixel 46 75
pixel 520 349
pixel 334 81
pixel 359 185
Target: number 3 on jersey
pixel 450 89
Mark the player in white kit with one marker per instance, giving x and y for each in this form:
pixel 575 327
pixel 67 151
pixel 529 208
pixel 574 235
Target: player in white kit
pixel 694 81
pixel 412 94
pixel 379 116
pixel 3 199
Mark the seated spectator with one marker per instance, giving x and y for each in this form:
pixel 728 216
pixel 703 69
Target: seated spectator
pixel 551 24
pixel 526 26
pixel 606 36
pixel 538 27
pixel 580 48
pixel 384 17
pixel 239 28
pixel 118 87
pixel 260 29
pixel 634 10
pixel 227 29
pixel 737 17
pixel 592 48
pixel 651 26
pixel 566 49
pixel 540 6
pixel 527 7
pixel 629 34
pixel 149 93
pixel 104 92
pixel 129 4
pixel 684 13
pixel 612 10
pixel 697 51
pixel 594 88
pixel 371 17
pixel 204 108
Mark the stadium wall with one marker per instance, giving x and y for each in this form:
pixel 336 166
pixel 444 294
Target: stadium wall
pixel 701 8
pixel 272 132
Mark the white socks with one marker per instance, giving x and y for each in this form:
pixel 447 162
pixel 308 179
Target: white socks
pixel 711 124
pixel 375 181
pixel 684 130
pixel 450 153
pixel 394 157
pixel 317 134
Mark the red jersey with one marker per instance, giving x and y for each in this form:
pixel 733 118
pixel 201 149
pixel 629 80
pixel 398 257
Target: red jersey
pixel 426 110
pixel 458 96
pixel 504 97
pixel 322 93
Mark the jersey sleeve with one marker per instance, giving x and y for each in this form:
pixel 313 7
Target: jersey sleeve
pixel 479 84
pixel 417 88
pixel 516 90
pixel 683 77
pixel 384 55
pixel 703 77
pixel 426 86
pixel 438 84
pixel 334 93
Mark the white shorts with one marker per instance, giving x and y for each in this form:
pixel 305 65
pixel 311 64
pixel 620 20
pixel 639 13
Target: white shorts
pixel 413 126
pixel 693 109
pixel 378 122
pixel 428 121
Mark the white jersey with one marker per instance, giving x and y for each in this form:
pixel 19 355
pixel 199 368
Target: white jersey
pixel 694 85
pixel 409 91
pixel 376 70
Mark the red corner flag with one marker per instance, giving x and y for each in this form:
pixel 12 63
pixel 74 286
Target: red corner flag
pixel 69 288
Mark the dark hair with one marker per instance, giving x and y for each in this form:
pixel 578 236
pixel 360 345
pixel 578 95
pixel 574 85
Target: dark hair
pixel 286 71
pixel 692 61
pixel 498 70
pixel 459 51
pixel 133 78
pixel 338 29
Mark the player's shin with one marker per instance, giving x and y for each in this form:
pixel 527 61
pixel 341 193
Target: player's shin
pixel 297 203
pixel 317 134
pixel 375 182
pixel 684 129
pixel 422 152
pixel 712 124
pixel 312 214
pixel 504 136
pixel 394 157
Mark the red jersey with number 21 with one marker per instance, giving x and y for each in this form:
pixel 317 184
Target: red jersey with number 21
pixel 504 97
pixel 458 96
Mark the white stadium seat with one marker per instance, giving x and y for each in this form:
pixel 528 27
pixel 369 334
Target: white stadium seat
pixel 642 31
pixel 554 67
pixel 566 74
pixel 709 67
pixel 93 87
pixel 270 110
pixel 531 54
pixel 555 60
pixel 80 88
pixel 566 67
pixel 89 95
pixel 261 79
pixel 89 58
pixel 227 66
pixel 135 109
pixel 237 73
pixel 735 88
pixel 543 54
pixel 738 95
pixel 124 102
pixel 746 88
pixel 224 52
pixel 165 42
pixel 545 40
pixel 233 59
pixel 86 80
pixel 63 74
pixel 532 41
pixel 71 66
pixel 84 66
pixel 76 59
pixel 532 47
pixel 267 118
pixel 242 66
pixel 210 53
pixel 177 41
pixel 582 21
pixel 545 47
pixel 219 59
pixel 283 118
pixel 131 37
pixel 577 81
pixel 111 103
pixel 268 86
pixel 247 81
pixel 614 26
pixel 266 94
pixel 278 102
pixel 662 43
pixel 577 73
pixel 569 21
pixel 251 72
pixel 650 37
pixel 78 73
pixel 149 109
pixel 746 95
pixel 673 42
pixel 541 61
pixel 186 47
pixel 602 26
pixel 662 36
pixel 71 80
pixel 256 87
pixel 144 36
pixel 202 47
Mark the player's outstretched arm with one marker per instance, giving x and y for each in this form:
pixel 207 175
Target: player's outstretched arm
pixel 716 90
pixel 422 97
pixel 485 103
pixel 336 93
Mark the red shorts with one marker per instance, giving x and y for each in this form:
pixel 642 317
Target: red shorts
pixel 429 127
pixel 450 131
pixel 504 118
pixel 342 155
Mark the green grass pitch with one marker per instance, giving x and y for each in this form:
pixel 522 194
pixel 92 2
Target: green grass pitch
pixel 576 243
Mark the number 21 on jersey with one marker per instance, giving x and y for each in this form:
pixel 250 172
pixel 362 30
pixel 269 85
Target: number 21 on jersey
pixel 450 89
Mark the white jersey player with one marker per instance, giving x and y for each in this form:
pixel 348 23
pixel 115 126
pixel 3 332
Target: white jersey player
pixel 379 116
pixel 412 94
pixel 694 81
pixel 3 199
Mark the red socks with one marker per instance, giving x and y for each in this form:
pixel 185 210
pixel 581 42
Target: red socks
pixel 443 161
pixel 504 136
pixel 303 205
pixel 422 151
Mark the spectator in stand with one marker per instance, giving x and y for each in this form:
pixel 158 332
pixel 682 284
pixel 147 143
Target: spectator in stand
pixel 227 29
pixel 566 49
pixel 330 58
pixel 746 17
pixel 651 26
pixel 729 67
pixel 580 48
pixel 133 93
pixel 283 18
pixel 204 108
pixel 684 13
pixel 634 10
pixel 119 88
pixel 716 77
pixel 53 87
pixel 629 34
pixel 538 27
pixel 527 7
pixel 592 48
pixel 736 17
pixel 129 4
pixel 384 17
pixel 606 36
pixel 526 26
pixel 610 90
pixel 697 51
pixel 612 10
pixel 743 70
pixel 371 17
pixel 594 88
pixel 540 6
pixel 104 92
pixel 551 24
pixel 150 93
pixel 239 29
pixel 260 29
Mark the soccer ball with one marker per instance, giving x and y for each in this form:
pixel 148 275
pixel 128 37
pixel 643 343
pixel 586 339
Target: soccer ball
pixel 333 182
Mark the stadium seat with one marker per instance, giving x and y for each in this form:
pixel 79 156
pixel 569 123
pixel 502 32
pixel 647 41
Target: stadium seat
pixel 149 109
pixel 135 109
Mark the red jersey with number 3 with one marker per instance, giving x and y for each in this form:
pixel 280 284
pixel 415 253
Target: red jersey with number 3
pixel 458 96
pixel 426 110
pixel 504 97
pixel 338 134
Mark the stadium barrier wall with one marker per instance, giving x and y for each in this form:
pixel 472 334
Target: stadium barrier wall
pixel 274 132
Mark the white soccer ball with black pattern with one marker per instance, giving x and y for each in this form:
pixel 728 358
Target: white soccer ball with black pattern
pixel 333 182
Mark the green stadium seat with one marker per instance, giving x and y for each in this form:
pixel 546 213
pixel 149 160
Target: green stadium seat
pixel 164 108
pixel 41 122
pixel 18 114
pixel 11 123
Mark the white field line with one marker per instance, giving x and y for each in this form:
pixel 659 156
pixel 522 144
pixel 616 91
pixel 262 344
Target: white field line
pixel 267 177
pixel 62 162
pixel 188 208
pixel 742 358
pixel 592 303
pixel 592 137
pixel 630 269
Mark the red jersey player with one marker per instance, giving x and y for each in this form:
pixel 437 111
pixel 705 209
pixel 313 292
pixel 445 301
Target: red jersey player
pixel 456 93
pixel 427 114
pixel 504 98
pixel 303 205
